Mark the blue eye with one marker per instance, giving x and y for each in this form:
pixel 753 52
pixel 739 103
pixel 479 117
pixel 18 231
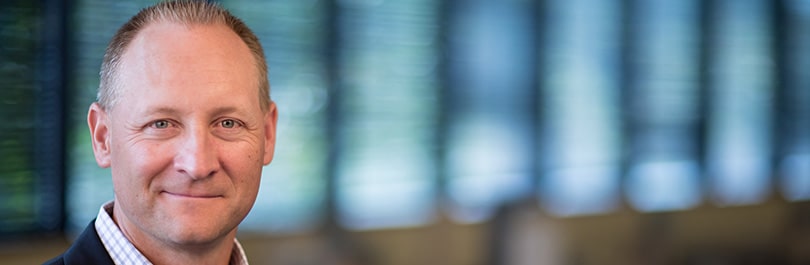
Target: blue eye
pixel 228 123
pixel 161 124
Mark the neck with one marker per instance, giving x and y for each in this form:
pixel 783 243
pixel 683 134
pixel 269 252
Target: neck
pixel 218 254
pixel 160 251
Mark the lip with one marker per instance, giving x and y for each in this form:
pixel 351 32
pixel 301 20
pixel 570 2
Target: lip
pixel 192 195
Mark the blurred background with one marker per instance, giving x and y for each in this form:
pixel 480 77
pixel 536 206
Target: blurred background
pixel 462 131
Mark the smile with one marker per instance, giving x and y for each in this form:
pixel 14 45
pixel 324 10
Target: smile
pixel 192 195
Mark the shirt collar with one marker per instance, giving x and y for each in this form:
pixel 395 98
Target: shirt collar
pixel 123 252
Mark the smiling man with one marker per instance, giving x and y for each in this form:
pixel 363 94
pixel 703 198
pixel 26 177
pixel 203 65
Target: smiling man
pixel 185 123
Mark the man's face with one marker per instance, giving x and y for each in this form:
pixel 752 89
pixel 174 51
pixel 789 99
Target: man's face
pixel 187 139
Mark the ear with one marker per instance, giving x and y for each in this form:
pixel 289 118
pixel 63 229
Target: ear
pixel 99 134
pixel 270 121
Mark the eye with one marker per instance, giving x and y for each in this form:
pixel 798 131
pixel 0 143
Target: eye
pixel 161 124
pixel 228 123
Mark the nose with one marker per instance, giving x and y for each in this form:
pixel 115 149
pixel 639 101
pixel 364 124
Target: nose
pixel 196 155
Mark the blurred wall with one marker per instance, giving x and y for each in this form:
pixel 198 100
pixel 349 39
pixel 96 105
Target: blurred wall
pixel 462 132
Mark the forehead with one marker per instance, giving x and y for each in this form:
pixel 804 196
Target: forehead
pixel 182 62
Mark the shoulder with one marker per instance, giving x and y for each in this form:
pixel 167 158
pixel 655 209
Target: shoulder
pixel 60 260
pixel 87 249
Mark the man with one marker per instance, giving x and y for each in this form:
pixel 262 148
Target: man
pixel 185 122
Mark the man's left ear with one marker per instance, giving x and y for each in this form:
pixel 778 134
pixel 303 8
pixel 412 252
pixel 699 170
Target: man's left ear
pixel 270 121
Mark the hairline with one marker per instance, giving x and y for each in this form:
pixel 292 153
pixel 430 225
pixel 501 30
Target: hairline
pixel 109 91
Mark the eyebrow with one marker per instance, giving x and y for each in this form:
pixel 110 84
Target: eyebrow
pixel 228 110
pixel 164 110
pixel 216 112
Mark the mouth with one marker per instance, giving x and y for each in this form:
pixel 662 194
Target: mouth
pixel 192 195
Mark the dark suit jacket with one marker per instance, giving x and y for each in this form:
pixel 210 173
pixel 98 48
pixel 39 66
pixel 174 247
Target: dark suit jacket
pixel 87 249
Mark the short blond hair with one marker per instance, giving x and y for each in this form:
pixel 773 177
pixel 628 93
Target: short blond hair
pixel 187 12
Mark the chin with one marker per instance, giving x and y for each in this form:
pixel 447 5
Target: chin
pixel 197 232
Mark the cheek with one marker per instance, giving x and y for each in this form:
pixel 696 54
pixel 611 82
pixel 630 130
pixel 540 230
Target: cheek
pixel 134 166
pixel 244 163
pixel 245 153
